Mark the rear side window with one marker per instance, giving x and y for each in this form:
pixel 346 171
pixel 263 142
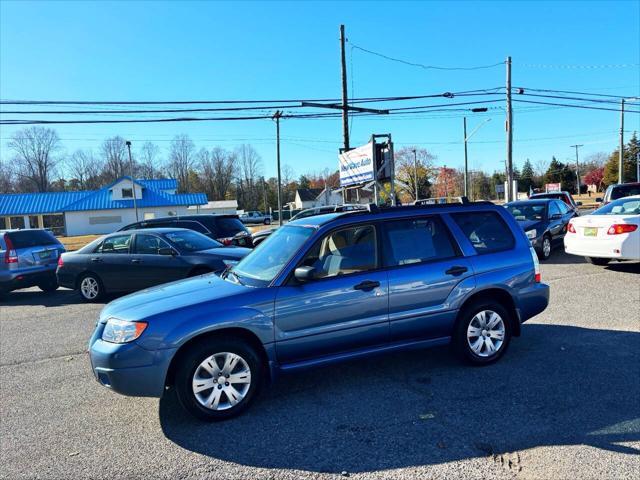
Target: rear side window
pixel 191 225
pixel 486 231
pixel 31 238
pixel 417 240
pixel 116 244
pixel 624 191
pixel 228 227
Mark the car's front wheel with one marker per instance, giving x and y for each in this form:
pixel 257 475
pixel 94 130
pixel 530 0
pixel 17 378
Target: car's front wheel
pixel 218 379
pixel 597 261
pixel 544 252
pixel 90 287
pixel 483 333
pixel 48 286
pixel 267 221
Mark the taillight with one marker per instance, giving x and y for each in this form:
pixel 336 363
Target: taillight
pixel 571 228
pixel 10 256
pixel 226 241
pixel 60 261
pixel 620 228
pixel 536 265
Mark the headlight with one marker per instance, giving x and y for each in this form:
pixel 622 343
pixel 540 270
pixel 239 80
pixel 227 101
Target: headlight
pixel 122 331
pixel 531 234
pixel 230 263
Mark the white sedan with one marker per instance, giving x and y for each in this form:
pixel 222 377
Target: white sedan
pixel 611 232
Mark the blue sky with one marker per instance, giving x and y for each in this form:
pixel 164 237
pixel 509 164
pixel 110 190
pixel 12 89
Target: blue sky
pixel 270 50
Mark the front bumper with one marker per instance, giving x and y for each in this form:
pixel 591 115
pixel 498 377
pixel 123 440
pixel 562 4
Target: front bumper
pixel 127 368
pixel 24 278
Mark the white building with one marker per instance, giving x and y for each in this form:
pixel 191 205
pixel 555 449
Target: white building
pixel 227 207
pixel 315 197
pixel 97 211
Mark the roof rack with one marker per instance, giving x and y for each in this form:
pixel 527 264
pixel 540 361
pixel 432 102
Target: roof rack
pixel 373 208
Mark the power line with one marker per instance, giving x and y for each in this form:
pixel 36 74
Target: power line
pixel 571 92
pixel 573 66
pixel 421 65
pixel 575 106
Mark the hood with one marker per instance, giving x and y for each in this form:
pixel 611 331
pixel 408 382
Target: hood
pixel 171 296
pixel 531 224
pixel 232 253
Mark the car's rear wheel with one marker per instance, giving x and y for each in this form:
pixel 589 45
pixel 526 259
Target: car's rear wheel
pixel 218 379
pixel 483 333
pixel 597 261
pixel 90 287
pixel 48 286
pixel 267 221
pixel 544 252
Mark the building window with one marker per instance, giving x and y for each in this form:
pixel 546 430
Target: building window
pixel 149 215
pixel 104 220
pixel 127 193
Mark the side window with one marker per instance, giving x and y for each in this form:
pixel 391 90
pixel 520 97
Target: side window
pixel 486 231
pixel 164 224
pixel 116 244
pixel 564 209
pixel 350 250
pixel 554 209
pixel 148 244
pixel 191 225
pixel 417 240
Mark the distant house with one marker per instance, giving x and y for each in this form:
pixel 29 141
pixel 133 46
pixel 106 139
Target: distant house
pixel 217 206
pixel 315 197
pixel 96 211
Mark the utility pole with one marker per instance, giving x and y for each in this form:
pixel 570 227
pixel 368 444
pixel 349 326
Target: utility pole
pixel 509 126
pixel 466 163
pixel 415 170
pixel 133 184
pixel 621 157
pixel 277 116
pixel 577 169
pixel 345 104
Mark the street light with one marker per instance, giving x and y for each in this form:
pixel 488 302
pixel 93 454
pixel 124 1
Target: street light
pixel 466 139
pixel 133 185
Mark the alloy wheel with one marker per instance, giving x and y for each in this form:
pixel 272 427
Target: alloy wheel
pixel 485 333
pixel 221 381
pixel 89 288
pixel 546 247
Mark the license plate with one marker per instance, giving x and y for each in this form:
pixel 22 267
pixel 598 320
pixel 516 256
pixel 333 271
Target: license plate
pixel 590 232
pixel 47 254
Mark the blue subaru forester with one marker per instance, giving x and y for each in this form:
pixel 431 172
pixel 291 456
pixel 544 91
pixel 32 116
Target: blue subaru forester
pixel 321 290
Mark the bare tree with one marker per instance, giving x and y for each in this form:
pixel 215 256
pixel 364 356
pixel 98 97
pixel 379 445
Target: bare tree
pixel 181 160
pixel 84 167
pixel 35 159
pixel 115 157
pixel 6 178
pixel 149 166
pixel 249 171
pixel 405 166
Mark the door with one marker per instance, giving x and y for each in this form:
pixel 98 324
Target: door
pixel 557 225
pixel 424 267
pixel 343 308
pixel 149 267
pixel 112 263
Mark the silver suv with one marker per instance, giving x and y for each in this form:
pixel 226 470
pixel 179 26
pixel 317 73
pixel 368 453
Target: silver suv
pixel 28 258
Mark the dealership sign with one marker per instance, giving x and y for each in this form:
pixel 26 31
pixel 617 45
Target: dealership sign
pixel 357 165
pixel 553 187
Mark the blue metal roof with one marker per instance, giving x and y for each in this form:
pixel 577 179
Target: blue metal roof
pixel 58 202
pixel 159 183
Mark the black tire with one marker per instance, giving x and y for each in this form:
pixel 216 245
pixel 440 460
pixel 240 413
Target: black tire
pixel 461 344
pixel 267 221
pixel 601 262
pixel 189 364
pixel 49 286
pixel 99 285
pixel 541 255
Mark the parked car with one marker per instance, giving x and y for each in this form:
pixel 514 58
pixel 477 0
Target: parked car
pixel 29 258
pixel 260 236
pixel 610 232
pixel 321 290
pixel 255 217
pixel 543 221
pixel 137 259
pixel 564 196
pixel 226 229
pixel 619 190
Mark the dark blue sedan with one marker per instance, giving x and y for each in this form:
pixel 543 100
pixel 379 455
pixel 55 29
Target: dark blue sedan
pixel 138 259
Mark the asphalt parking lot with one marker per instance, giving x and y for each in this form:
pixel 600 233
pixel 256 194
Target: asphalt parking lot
pixel 563 403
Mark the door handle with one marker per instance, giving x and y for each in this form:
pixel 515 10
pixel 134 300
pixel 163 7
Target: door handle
pixel 96 259
pixel 136 260
pixel 455 271
pixel 367 285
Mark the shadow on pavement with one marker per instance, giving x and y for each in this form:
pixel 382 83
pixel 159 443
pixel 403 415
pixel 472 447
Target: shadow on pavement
pixel 557 385
pixel 558 257
pixel 59 298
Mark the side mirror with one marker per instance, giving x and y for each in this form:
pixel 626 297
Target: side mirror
pixel 599 199
pixel 304 274
pixel 579 204
pixel 167 251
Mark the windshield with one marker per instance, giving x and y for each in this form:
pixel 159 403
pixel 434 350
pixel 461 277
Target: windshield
pixel 262 265
pixel 190 241
pixel 526 211
pixel 623 206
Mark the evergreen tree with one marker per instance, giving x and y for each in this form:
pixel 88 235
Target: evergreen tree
pixel 526 177
pixel 629 163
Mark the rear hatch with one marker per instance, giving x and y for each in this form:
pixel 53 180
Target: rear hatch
pixel 33 247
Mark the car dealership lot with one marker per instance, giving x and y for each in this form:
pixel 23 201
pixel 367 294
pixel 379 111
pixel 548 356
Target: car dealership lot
pixel 562 403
